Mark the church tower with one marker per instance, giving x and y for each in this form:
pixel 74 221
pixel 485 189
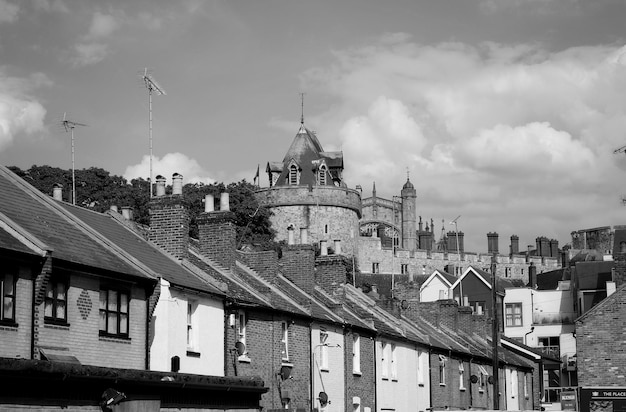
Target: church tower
pixel 409 217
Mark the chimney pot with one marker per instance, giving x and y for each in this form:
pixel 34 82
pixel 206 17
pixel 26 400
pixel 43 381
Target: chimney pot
pixel 57 192
pixel 323 248
pixel 209 203
pixel 224 202
pixel 160 186
pixel 127 212
pixel 113 208
pixel 304 236
pixel 177 184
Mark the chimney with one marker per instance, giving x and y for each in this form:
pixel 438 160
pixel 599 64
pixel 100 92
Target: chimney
pixel 217 234
pixel 337 246
pixel 298 265
pixel 169 221
pixel 543 246
pixel 514 245
pixel 160 186
pixel 127 212
pixel 57 192
pixel 290 235
pixel 177 184
pixel 492 243
pixel 619 257
pixel 532 275
pixel 323 248
pixel 331 271
pixel 554 248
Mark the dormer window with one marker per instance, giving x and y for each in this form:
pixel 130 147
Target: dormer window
pixel 321 175
pixel 293 175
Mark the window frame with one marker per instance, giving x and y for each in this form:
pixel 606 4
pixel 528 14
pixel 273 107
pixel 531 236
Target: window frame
pixel 442 370
pixel 482 378
pixel 393 363
pixel 510 318
pixel 404 268
pixel 375 267
pixel 117 312
pixel 284 341
pixel 461 376
pixel 242 326
pixel 52 286
pixel 192 325
pixel 356 354
pixel 12 296
pixel 384 372
pixel 293 177
pixel 321 175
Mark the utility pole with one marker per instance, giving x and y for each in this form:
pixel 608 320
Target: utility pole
pixel 495 335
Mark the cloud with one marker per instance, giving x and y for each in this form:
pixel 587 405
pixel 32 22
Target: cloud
pixel 102 25
pixel 8 12
pixel 51 6
pixel 168 165
pixel 533 7
pixel 20 113
pixel 500 134
pixel 86 54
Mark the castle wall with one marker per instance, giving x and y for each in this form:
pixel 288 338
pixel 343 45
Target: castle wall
pixel 423 262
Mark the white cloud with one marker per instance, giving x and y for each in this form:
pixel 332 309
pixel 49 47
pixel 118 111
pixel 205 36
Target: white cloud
pixel 168 165
pixel 499 134
pixel 8 12
pixel 20 113
pixel 86 54
pixel 51 6
pixel 103 25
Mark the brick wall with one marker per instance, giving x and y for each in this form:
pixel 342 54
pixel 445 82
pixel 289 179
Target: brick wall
pixel 363 384
pixel 169 224
pixel 263 333
pixel 264 263
pixel 216 232
pixel 601 343
pixel 331 271
pixel 298 265
pixel 15 340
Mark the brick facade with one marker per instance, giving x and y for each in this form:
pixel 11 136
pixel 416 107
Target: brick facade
pixel 216 231
pixel 169 224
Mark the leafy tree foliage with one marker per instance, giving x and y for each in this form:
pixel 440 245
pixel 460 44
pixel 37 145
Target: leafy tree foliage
pixel 98 190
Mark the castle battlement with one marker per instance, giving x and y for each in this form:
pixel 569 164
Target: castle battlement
pixel 278 196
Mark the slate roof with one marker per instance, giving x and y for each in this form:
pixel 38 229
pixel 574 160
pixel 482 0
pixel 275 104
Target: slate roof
pixel 593 275
pixel 9 242
pixel 47 221
pixel 148 254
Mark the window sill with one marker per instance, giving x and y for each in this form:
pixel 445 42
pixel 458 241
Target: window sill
pixel 193 354
pixel 56 322
pixel 463 389
pixel 114 338
pixel 356 373
pixel 244 359
pixel 9 323
pixel 286 363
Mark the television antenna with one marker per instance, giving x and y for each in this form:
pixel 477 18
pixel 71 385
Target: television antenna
pixel 69 126
pixel 152 86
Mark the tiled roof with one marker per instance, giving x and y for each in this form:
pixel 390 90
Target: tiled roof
pixel 11 243
pixel 146 253
pixel 44 219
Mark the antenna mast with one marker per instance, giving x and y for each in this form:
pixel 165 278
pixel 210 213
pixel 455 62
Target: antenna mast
pixel 69 127
pixel 152 86
pixel 302 108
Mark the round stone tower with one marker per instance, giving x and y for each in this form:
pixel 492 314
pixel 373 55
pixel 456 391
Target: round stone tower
pixel 409 202
pixel 310 202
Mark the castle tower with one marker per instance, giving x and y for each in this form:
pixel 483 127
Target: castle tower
pixel 409 234
pixel 307 193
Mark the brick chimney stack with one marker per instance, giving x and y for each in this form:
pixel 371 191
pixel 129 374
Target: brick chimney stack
pixel 169 221
pixel 619 257
pixel 217 233
pixel 514 245
pixel 331 271
pixel 298 265
pixel 492 243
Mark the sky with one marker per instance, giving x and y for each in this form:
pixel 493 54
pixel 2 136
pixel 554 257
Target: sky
pixel 506 113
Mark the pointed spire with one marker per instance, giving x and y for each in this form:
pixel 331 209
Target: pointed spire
pixel 302 109
pixel 374 190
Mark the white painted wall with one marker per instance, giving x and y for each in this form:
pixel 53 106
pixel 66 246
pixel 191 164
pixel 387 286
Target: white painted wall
pixel 328 378
pixel 170 333
pixel 431 290
pixel 402 391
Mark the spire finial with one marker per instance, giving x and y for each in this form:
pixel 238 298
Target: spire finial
pixel 302 108
pixel 407 174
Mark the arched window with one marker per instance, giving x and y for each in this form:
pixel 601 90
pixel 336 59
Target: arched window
pixel 293 175
pixel 622 247
pixel 321 175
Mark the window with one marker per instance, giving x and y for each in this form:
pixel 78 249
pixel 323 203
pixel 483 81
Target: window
pixel 321 175
pixel 55 308
pixel 375 267
pixel 8 284
pixel 384 360
pixel 404 268
pixel 482 378
pixel 323 349
pixel 550 346
pixel 525 387
pixel 514 383
pixel 191 332
pixel 293 175
pixel 507 272
pixel 114 312
pixel 622 247
pixel 241 332
pixel 442 370
pixel 513 314
pixel 461 376
pixel 284 341
pixel 393 364
pixel 356 354
pixel 420 368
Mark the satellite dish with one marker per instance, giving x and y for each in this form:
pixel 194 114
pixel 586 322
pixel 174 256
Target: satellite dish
pixel 285 372
pixel 323 399
pixel 240 347
pixel 490 380
pixel 473 378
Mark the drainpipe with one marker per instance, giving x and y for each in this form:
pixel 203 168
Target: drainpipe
pixel 148 327
pixel 471 399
